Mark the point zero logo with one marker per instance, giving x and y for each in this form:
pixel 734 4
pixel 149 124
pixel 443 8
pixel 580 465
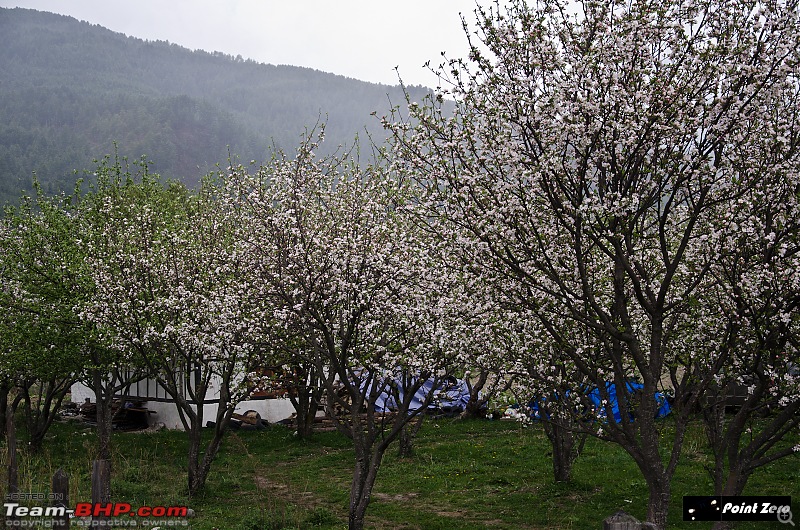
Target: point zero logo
pixel 739 508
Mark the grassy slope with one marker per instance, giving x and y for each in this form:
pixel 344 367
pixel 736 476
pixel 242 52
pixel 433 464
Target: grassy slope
pixel 470 474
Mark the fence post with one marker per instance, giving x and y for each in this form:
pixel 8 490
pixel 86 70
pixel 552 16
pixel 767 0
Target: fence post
pixel 101 480
pixel 60 497
pixel 101 473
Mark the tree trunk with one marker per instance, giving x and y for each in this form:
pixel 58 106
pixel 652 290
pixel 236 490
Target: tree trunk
pixel 566 444
pixel 305 406
pixel 658 502
pixel 474 407
pixel 310 417
pixel 405 447
pixel 565 451
pixel 195 478
pixel 13 470
pixel 407 436
pixel 203 466
pixel 199 467
pixel 101 467
pixel 305 399
pixel 103 401
pixel 732 487
pixel 5 389
pixel 364 475
pixel 11 434
pixel 40 415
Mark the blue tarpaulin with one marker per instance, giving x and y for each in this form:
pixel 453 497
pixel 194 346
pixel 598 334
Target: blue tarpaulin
pixel 596 399
pixel 452 395
pixel 661 400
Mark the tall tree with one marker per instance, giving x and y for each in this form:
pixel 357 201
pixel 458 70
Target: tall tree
pixel 342 264
pixel 172 292
pixel 751 311
pixel 46 286
pixel 43 337
pixel 590 151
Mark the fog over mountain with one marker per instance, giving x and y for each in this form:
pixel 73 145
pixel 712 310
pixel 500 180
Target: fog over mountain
pixel 70 91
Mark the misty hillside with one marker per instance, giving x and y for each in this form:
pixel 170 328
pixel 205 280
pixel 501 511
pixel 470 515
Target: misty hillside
pixel 69 90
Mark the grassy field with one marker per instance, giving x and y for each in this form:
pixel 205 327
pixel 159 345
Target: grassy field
pixel 464 475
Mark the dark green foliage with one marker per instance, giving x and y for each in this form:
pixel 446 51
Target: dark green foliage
pixel 69 90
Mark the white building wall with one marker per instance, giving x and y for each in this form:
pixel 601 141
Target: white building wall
pixel 272 410
pixel 81 392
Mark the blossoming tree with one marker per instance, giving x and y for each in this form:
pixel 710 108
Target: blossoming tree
pixel 171 291
pixel 42 336
pixel 752 312
pixel 46 284
pixel 590 151
pixel 343 269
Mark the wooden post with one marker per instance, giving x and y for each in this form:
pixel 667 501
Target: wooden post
pixel 60 497
pixel 101 479
pixel 621 521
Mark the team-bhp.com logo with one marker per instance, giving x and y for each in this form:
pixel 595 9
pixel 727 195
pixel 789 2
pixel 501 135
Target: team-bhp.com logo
pixel 87 509
pixel 88 514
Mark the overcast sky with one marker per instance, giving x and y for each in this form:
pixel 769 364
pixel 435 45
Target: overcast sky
pixel 363 39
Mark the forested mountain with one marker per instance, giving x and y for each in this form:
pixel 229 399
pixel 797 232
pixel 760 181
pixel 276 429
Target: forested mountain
pixel 69 90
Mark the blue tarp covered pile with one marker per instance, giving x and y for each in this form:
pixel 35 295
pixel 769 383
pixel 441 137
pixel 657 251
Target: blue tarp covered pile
pixel 663 406
pixel 661 400
pixel 451 397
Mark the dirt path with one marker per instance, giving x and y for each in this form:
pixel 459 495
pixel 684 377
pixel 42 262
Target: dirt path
pixel 273 484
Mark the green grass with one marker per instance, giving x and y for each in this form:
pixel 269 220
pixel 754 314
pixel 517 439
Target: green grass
pixel 464 474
